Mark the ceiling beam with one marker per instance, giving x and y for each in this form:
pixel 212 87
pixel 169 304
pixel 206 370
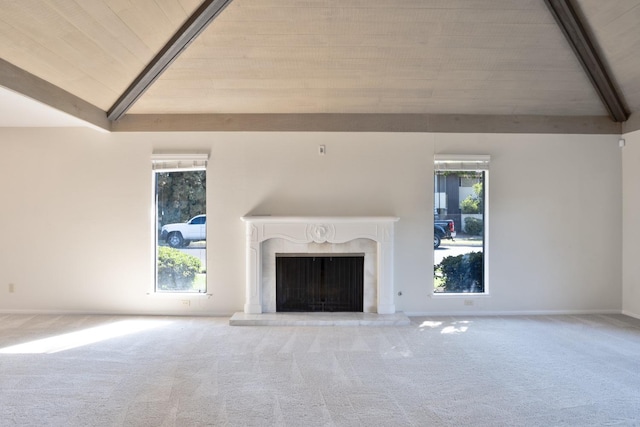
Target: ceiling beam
pixel 189 31
pixel 31 86
pixel 632 124
pixel 437 123
pixel 573 29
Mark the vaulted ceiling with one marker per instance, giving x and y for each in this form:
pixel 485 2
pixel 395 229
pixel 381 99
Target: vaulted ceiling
pixel 401 65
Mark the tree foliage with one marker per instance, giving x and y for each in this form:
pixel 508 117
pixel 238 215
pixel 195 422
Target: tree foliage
pixel 474 203
pixel 181 195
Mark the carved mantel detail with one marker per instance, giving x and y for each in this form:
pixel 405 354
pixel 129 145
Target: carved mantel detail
pixel 321 233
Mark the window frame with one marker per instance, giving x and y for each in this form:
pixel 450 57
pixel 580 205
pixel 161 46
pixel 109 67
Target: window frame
pixel 162 162
pixel 461 163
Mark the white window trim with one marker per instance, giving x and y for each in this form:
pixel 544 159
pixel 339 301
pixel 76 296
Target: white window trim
pixel 165 162
pixel 462 162
pixel 171 162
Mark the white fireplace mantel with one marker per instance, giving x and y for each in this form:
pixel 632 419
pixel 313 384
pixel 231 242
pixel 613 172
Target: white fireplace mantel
pixel 319 230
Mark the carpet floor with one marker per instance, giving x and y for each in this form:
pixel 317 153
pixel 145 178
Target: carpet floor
pixel 76 370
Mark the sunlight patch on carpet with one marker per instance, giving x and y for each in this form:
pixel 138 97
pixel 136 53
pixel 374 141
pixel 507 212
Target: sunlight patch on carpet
pixel 84 337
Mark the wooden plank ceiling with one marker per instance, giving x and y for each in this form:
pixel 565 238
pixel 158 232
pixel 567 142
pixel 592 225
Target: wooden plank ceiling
pixel 378 56
pixel 92 49
pixel 292 57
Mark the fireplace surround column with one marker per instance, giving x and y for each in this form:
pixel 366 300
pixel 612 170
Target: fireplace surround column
pixel 309 230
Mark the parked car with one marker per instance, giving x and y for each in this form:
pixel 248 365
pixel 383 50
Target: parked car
pixel 182 234
pixel 443 229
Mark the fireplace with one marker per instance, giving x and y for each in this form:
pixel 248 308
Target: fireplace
pixel 268 237
pixel 309 283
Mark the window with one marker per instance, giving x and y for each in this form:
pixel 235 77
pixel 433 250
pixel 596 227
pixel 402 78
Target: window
pixel 180 203
pixel 460 224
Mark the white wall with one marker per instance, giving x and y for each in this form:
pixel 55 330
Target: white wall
pixel 631 225
pixel 76 214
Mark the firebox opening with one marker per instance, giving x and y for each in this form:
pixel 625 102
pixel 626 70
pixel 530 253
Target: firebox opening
pixel 310 283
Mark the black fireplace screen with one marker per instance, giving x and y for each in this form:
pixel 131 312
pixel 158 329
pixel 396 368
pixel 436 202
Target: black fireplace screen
pixel 319 283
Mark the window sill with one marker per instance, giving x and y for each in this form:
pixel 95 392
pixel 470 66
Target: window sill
pixel 179 295
pixel 463 295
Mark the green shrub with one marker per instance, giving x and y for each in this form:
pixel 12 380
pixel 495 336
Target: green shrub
pixel 462 273
pixel 176 270
pixel 473 226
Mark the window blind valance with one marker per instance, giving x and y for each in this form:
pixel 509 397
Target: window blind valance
pixel 178 162
pixel 470 162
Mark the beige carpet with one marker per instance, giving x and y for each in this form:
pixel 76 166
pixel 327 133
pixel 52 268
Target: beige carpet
pixel 453 371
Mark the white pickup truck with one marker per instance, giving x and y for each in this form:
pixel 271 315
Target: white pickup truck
pixel 181 234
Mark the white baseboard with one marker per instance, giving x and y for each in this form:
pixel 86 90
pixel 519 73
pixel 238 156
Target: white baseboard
pixel 630 314
pixel 510 313
pixel 110 313
pixel 408 313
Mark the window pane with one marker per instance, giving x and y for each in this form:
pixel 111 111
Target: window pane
pixel 458 231
pixel 181 231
